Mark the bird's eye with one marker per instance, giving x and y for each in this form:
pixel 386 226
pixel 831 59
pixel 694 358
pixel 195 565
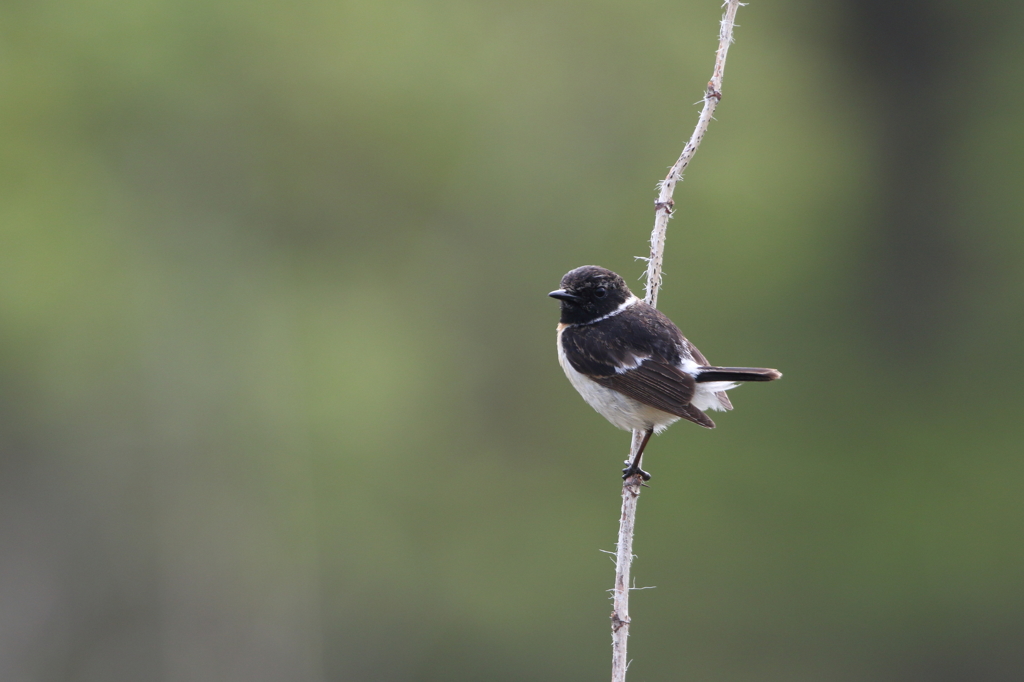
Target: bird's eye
pixel 600 292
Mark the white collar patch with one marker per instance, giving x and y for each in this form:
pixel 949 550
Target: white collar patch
pixel 622 306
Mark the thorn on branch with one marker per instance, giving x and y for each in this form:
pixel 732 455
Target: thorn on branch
pixel 667 206
pixel 711 92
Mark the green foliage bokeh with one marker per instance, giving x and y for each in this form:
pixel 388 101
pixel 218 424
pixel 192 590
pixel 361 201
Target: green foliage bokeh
pixel 278 389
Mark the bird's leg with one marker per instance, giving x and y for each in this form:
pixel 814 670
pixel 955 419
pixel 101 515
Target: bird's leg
pixel 634 467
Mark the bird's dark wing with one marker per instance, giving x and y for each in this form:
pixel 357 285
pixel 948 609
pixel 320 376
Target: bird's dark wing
pixel 661 386
pixel 698 357
pixel 636 354
pixel 655 384
pixel 622 341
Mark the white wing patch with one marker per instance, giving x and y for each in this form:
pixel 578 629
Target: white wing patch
pixel 632 363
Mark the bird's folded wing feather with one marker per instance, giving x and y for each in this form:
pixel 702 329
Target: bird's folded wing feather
pixel 698 357
pixel 656 384
pixel 636 357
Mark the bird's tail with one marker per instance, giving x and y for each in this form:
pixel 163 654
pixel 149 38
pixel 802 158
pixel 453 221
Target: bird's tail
pixel 706 374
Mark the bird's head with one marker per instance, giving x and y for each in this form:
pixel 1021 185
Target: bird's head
pixel 589 292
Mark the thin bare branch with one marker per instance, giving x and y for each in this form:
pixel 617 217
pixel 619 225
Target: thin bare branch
pixel 662 212
pixel 664 205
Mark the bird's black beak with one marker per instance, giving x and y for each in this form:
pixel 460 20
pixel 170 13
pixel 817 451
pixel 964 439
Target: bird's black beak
pixel 563 295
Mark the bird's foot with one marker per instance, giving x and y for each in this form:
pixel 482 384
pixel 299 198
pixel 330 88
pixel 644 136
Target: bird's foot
pixel 633 470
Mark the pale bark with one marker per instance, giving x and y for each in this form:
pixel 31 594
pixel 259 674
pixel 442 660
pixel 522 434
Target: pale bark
pixel 662 212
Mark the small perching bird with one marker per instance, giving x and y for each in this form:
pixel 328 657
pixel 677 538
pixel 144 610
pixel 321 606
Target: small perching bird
pixel 632 364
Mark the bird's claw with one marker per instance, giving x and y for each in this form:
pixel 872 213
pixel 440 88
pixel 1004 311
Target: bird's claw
pixel 635 471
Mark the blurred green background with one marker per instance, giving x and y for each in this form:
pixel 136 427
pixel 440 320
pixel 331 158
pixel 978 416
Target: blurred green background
pixel 278 389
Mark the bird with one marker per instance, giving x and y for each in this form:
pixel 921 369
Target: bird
pixel 631 363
